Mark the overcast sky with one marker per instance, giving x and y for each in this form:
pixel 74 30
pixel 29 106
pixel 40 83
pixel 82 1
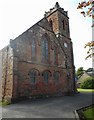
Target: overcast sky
pixel 16 16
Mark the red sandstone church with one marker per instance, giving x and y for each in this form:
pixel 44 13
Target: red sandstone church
pixel 39 62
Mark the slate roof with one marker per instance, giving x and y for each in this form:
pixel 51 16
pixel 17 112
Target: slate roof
pixel 84 76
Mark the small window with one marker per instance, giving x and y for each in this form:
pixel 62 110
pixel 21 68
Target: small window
pixel 63 24
pixel 68 28
pixel 51 24
pixel 65 45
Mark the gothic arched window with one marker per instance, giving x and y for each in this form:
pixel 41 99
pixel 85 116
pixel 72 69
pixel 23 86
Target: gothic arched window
pixel 33 73
pixel 55 56
pixel 46 75
pixel 56 76
pixel 63 24
pixel 33 48
pixel 51 23
pixel 45 49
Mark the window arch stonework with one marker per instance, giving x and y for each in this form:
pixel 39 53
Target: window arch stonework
pixel 46 75
pixel 33 75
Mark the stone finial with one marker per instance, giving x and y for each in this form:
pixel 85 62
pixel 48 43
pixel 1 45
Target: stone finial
pixel 57 5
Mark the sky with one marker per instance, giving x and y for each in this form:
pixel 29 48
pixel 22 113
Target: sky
pixel 16 16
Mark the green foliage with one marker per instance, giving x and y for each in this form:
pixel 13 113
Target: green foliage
pixel 90 70
pixel 88 113
pixel 88 83
pixel 79 72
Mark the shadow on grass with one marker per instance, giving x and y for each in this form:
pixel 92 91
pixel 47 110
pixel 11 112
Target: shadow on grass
pixel 86 113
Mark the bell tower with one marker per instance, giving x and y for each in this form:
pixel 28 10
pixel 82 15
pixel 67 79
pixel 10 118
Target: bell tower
pixel 59 20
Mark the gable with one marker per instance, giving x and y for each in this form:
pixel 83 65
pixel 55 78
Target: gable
pixel 44 24
pixel 83 78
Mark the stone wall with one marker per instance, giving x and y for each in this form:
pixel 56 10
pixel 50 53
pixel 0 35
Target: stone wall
pixel 23 63
pixel 0 75
pixel 7 73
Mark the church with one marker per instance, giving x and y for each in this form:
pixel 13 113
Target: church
pixel 39 62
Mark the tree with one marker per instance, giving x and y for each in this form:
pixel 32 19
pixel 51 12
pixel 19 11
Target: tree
pixel 90 70
pixel 88 83
pixel 79 72
pixel 88 10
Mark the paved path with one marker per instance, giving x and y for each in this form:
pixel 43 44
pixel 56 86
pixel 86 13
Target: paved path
pixel 59 107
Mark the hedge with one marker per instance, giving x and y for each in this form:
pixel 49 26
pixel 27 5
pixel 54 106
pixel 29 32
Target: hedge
pixel 88 83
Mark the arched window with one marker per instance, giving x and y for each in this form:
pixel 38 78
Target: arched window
pixel 63 24
pixel 46 75
pixel 45 49
pixel 33 48
pixel 33 76
pixel 55 56
pixel 51 23
pixel 56 76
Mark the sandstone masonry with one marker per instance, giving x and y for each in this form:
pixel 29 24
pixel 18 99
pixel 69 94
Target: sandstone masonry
pixel 40 61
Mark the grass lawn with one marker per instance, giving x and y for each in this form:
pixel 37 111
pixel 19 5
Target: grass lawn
pixel 3 103
pixel 88 113
pixel 85 90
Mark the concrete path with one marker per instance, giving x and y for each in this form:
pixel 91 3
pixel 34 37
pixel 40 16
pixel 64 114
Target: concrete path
pixel 59 107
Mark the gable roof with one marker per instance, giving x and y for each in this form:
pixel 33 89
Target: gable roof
pixel 42 23
pixel 83 77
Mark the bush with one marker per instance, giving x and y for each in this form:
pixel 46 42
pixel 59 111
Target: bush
pixel 88 83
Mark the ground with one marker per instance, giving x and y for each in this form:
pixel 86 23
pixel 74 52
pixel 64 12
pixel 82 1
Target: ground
pixel 57 107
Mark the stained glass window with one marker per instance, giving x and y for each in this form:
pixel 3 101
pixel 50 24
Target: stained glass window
pixel 45 49
pixel 46 76
pixel 33 76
